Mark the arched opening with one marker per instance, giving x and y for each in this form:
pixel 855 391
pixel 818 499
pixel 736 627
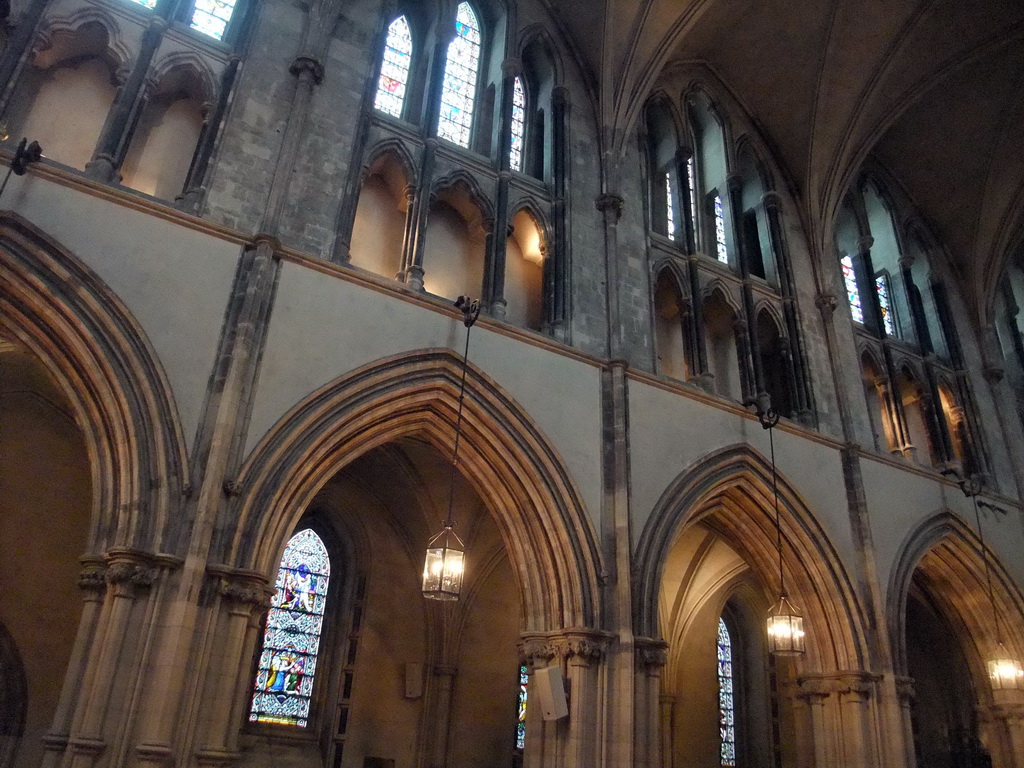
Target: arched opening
pixel 885 259
pixel 65 94
pixel 524 272
pixel 663 195
pixel 669 327
pixel 399 678
pixel 954 417
pixel 912 397
pixel 379 225
pixel 539 78
pixel 774 363
pixel 166 135
pixel 456 241
pixel 757 240
pixel 46 498
pixel 720 342
pixel 709 550
pixel 711 172
pixel 877 406
pixel 720 698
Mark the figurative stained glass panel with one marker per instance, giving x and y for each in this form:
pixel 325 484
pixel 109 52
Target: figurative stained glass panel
pixel 460 72
pixel 670 208
pixel 524 681
pixel 723 253
pixel 852 292
pixel 726 702
pixel 146 3
pixel 394 70
pixel 882 286
pixel 284 680
pixel 515 153
pixel 211 17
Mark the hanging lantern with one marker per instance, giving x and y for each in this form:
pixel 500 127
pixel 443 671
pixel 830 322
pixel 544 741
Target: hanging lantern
pixel 443 567
pixel 785 629
pixel 1005 671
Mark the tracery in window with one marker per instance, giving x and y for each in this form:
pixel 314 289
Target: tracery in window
pixel 670 208
pixel 726 703
pixel 515 153
pixel 211 17
pixel 882 286
pixel 394 70
pixel 723 253
pixel 852 292
pixel 460 73
pixel 524 681
pixel 284 680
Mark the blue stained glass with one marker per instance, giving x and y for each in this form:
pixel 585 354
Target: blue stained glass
pixel 882 286
pixel 394 70
pixel 518 124
pixel 723 253
pixel 670 208
pixel 691 180
pixel 852 292
pixel 211 17
pixel 726 704
pixel 460 73
pixel 284 681
pixel 524 681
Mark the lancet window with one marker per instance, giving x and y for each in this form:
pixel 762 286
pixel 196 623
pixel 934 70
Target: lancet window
pixel 462 65
pixel 394 70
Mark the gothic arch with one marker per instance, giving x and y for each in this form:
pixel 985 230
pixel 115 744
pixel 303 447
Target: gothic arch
pixel 549 538
pixel 116 54
pixel 528 204
pixel 729 492
pixel 396 149
pixel 63 312
pixel 947 553
pixel 465 182
pixel 190 70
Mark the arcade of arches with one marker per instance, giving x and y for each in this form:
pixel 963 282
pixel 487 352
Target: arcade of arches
pixel 233 383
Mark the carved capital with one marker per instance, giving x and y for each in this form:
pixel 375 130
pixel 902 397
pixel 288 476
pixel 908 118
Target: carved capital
pixel 826 303
pixel 610 205
pixel 905 690
pixel 816 688
pixel 651 654
pixel 537 651
pixel 308 67
pixel 993 373
pixel 93 577
pixel 771 200
pixel 511 67
pixel 734 182
pixel 865 243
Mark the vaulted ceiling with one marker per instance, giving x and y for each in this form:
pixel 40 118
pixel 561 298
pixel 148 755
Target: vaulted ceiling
pixel 933 89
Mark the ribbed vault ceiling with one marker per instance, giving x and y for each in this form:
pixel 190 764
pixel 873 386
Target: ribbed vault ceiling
pixel 933 89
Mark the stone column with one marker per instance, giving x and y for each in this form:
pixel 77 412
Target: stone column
pixel 752 360
pixel 444 683
pixel 683 156
pixel 667 706
pixel 701 373
pixel 241 599
pixel 651 657
pixel 536 651
pixel 843 716
pixel 124 112
pixel 18 50
pixel 1002 724
pixel 610 205
pixel 126 575
pixel 905 695
pixel 748 383
pixel 93 582
pixel 193 191
pixel 495 280
pixel 557 314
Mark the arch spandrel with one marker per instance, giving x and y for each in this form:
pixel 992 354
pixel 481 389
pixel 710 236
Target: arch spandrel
pixel 511 465
pixel 730 493
pixel 63 312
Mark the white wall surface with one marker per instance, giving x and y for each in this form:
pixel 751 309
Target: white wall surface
pixel 174 280
pixel 323 327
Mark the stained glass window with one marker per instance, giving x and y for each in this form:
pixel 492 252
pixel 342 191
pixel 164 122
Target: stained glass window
pixel 515 153
pixel 524 681
pixel 284 680
pixel 882 286
pixel 147 3
pixel 394 70
pixel 670 209
pixel 723 253
pixel 852 292
pixel 691 181
pixel 726 703
pixel 460 71
pixel 211 17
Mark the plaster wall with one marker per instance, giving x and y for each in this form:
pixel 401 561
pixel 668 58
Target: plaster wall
pixel 669 432
pixel 174 281
pixel 323 327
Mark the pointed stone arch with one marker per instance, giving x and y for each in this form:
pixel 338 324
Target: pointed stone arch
pixel 730 492
pixel 550 540
pixel 947 554
pixel 397 150
pixel 87 339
